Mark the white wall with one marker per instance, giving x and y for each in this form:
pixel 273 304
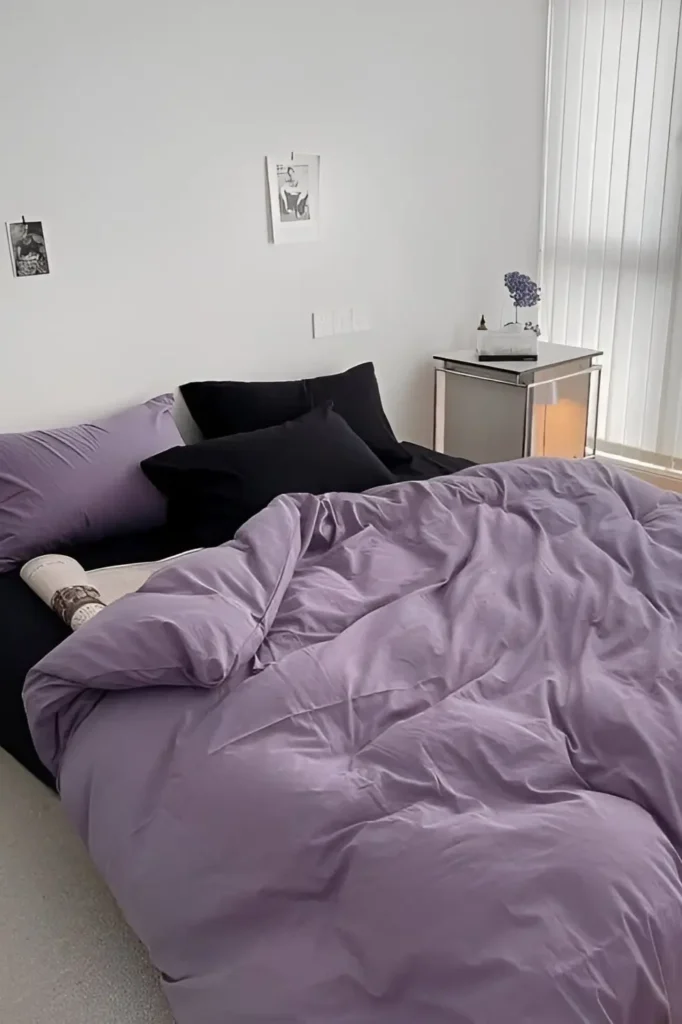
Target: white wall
pixel 137 130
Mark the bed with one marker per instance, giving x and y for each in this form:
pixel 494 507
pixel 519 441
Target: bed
pixel 409 755
pixel 398 743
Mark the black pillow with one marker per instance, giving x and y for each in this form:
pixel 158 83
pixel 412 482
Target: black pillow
pixel 221 408
pixel 215 486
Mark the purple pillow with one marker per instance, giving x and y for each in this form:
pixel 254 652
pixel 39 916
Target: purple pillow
pixel 83 483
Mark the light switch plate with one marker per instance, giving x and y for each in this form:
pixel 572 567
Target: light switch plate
pixel 323 325
pixel 361 320
pixel 343 321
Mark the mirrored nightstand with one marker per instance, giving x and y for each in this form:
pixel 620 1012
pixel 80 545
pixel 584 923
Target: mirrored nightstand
pixel 494 412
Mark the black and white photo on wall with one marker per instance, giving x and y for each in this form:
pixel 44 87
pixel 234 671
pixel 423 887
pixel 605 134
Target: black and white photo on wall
pixel 294 190
pixel 27 248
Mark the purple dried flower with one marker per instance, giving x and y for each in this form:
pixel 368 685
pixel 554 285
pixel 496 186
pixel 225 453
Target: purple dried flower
pixel 523 291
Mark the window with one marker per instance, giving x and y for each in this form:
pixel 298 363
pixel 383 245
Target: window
pixel 611 264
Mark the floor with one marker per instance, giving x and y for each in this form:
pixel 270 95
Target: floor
pixel 66 956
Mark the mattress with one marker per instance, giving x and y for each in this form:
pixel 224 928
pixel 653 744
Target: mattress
pixel 31 630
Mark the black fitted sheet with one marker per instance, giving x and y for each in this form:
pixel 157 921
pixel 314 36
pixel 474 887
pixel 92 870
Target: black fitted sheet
pixel 427 464
pixel 29 629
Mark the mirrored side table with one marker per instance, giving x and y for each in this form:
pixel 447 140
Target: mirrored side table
pixel 495 412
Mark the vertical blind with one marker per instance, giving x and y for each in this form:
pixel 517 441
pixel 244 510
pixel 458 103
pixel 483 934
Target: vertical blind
pixel 611 268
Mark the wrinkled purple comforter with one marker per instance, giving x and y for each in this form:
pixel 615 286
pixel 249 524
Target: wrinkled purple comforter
pixel 405 758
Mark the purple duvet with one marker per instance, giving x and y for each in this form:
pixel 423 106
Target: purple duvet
pixel 412 757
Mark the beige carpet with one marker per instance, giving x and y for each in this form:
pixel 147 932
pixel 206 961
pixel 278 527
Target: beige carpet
pixel 66 956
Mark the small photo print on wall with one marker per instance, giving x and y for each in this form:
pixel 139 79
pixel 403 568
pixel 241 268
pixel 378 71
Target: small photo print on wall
pixel 294 188
pixel 294 192
pixel 28 249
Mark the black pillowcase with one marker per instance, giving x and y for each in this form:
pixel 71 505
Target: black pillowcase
pixel 215 486
pixel 222 408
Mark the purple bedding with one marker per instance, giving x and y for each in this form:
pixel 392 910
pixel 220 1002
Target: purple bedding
pixel 402 758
